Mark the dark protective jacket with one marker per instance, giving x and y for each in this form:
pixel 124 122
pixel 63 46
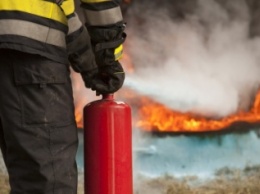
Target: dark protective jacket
pixel 51 28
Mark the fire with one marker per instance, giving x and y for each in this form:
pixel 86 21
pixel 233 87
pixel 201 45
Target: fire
pixel 79 117
pixel 153 116
pixel 156 117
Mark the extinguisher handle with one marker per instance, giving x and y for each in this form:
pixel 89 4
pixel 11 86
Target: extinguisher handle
pixel 108 96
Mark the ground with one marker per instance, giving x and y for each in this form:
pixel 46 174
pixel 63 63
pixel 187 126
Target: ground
pixel 227 181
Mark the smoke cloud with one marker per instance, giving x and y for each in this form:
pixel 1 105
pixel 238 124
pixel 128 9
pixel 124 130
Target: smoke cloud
pixel 194 55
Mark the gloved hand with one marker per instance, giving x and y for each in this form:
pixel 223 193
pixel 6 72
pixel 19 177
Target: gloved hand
pixel 89 77
pixel 107 47
pixel 85 65
pixel 109 79
pixel 105 79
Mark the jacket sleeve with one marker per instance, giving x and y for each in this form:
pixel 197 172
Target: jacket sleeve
pixel 104 22
pixel 102 12
pixel 79 47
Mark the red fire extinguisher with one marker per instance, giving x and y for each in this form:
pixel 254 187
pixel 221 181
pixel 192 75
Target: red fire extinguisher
pixel 107 147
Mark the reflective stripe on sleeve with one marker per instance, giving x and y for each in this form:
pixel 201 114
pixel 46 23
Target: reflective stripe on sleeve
pixel 118 52
pixel 40 8
pixel 104 17
pixel 74 24
pixel 34 31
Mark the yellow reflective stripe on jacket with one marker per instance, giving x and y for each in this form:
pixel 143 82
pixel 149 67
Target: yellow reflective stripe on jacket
pixel 68 7
pixel 104 17
pixel 118 52
pixel 40 8
pixel 33 31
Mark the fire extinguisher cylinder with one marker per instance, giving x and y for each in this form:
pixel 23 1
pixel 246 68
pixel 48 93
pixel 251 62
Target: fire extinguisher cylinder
pixel 107 147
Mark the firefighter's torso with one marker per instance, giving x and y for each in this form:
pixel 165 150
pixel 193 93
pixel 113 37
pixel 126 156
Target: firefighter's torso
pixel 36 26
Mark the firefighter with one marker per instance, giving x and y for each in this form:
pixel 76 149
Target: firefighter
pixel 39 41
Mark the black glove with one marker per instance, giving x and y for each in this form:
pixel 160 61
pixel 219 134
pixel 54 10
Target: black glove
pixel 107 42
pixel 89 77
pixel 105 79
pixel 109 79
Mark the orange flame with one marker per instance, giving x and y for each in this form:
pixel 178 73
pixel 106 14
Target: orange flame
pixel 79 117
pixel 156 117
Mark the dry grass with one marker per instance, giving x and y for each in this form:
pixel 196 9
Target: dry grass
pixel 226 182
pixel 4 185
pixel 81 184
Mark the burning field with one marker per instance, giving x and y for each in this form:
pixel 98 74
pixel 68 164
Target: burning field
pixel 194 65
pixel 193 83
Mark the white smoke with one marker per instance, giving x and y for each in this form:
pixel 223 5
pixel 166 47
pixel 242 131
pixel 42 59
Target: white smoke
pixel 197 59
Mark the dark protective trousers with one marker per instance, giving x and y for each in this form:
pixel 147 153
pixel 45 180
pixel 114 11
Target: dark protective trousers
pixel 38 134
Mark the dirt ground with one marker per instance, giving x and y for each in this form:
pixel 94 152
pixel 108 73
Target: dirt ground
pixel 226 181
